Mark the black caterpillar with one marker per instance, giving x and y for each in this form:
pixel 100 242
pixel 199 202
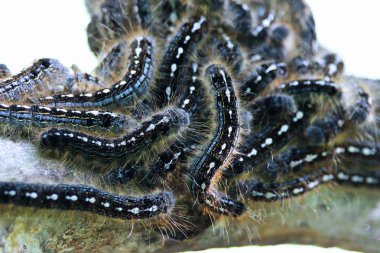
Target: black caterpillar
pixel 202 91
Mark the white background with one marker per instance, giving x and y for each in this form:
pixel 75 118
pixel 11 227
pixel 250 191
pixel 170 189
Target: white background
pixel 56 28
pixel 351 29
pixel 32 29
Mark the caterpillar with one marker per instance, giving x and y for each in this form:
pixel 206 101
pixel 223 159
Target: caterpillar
pixel 223 103
pixel 42 116
pixel 41 73
pixel 84 198
pixel 210 162
pixel 134 82
pixel 140 138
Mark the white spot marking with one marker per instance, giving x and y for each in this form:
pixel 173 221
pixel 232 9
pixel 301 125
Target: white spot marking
pixel 368 151
pixel 312 185
pixel 372 180
pixel 198 24
pixel 299 115
pixel 339 150
pixel 297 191
pixel 106 204
pixel 151 127
pixel 173 68
pixel 327 178
pixel 91 200
pixel 270 195
pixel 357 179
pixel 187 38
pixel 168 91
pixel 293 164
pixel 252 153
pixel 310 158
pixel 284 129
pixel 267 142
pixel 153 209
pixel 72 198
pixel 32 195
pixel 272 67
pixel 353 149
pixel 343 176
pixel 53 197
pixel 135 210
pixel 180 51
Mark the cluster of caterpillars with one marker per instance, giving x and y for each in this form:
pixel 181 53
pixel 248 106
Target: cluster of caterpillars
pixel 226 102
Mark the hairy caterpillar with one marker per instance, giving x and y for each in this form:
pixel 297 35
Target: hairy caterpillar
pixel 40 73
pixel 210 162
pixel 134 82
pixel 278 102
pixel 84 198
pixel 140 138
pixel 42 115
